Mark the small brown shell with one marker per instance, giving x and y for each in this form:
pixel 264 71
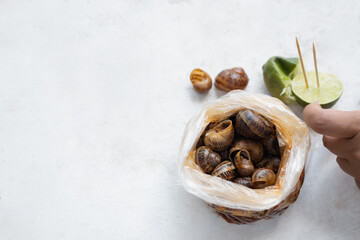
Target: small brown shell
pixel 224 155
pixel 274 164
pixel 252 125
pixel 231 79
pixel 225 170
pixel 263 177
pixel 246 181
pixel 254 148
pixel 207 159
pixel 243 163
pixel 200 80
pixel 220 137
pixel 271 145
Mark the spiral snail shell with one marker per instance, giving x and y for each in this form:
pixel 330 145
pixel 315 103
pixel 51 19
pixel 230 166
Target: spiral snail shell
pixel 200 80
pixel 263 177
pixel 220 137
pixel 252 125
pixel 231 79
pixel 243 163
pixel 272 163
pixel 225 170
pixel 255 149
pixel 271 145
pixel 246 181
pixel 207 159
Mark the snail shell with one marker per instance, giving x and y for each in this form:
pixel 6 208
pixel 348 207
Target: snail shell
pixel 224 155
pixel 220 137
pixel 246 181
pixel 255 149
pixel 243 163
pixel 272 163
pixel 252 125
pixel 200 80
pixel 225 170
pixel 271 145
pixel 263 177
pixel 207 159
pixel 231 79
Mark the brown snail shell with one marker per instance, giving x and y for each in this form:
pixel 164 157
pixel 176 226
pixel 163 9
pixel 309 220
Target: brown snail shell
pixel 263 177
pixel 200 80
pixel 220 137
pixel 274 164
pixel 271 145
pixel 246 181
pixel 255 149
pixel 243 163
pixel 224 155
pixel 231 79
pixel 252 125
pixel 207 159
pixel 225 170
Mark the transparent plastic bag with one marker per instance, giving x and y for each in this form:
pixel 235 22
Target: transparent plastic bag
pixel 235 202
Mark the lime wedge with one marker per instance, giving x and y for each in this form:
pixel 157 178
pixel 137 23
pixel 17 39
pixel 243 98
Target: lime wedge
pixel 329 92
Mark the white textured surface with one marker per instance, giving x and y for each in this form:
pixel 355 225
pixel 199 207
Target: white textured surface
pixel 95 95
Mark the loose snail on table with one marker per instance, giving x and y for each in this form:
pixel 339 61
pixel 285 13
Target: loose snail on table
pixel 200 80
pixel 231 79
pixel 247 153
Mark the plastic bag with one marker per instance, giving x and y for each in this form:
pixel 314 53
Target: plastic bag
pixel 235 202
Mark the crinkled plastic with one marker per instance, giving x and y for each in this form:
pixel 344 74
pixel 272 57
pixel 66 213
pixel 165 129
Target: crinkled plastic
pixel 235 199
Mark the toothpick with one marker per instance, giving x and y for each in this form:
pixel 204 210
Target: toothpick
pixel 316 69
pixel 302 63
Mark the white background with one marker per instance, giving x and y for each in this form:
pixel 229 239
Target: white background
pixel 95 95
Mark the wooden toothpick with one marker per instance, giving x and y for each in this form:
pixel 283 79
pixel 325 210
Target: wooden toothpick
pixel 316 69
pixel 302 63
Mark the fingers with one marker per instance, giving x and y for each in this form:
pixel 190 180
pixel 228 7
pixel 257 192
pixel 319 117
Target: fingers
pixel 332 122
pixel 339 146
pixel 345 166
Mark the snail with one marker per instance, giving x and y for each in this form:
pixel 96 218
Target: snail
pixel 263 177
pixel 225 170
pixel 272 163
pixel 252 125
pixel 200 80
pixel 246 181
pixel 271 145
pixel 255 149
pixel 220 137
pixel 207 159
pixel 224 155
pixel 243 163
pixel 231 79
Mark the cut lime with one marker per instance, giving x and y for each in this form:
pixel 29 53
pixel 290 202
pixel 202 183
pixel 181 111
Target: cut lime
pixel 329 92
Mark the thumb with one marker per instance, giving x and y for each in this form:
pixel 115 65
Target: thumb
pixel 331 122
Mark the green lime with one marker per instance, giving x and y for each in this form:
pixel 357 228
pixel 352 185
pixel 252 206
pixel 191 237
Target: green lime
pixel 278 73
pixel 329 92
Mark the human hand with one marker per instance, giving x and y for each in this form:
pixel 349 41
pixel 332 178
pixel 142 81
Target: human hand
pixel 341 135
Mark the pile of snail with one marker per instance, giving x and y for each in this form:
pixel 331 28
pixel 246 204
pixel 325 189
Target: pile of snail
pixel 226 80
pixel 243 149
